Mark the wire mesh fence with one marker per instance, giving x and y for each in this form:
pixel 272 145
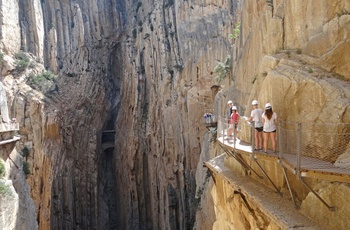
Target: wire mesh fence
pixel 225 133
pixel 303 145
pixel 307 141
pixel 223 124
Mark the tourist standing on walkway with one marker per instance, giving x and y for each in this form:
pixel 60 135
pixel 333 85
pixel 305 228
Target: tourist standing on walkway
pixel 233 126
pixel 230 104
pixel 269 119
pixel 256 116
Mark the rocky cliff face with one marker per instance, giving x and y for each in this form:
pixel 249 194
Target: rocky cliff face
pixel 144 69
pixel 292 54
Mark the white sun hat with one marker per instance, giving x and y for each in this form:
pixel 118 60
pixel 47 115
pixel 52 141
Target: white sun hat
pixel 255 102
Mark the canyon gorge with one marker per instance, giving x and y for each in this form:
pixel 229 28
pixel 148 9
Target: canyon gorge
pixel 110 97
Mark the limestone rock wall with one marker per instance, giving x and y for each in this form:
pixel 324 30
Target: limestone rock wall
pixel 62 126
pixel 292 55
pixel 169 58
pixel 145 70
pixel 17 209
pixel 159 57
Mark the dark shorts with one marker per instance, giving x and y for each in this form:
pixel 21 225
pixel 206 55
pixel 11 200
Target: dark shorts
pixel 271 131
pixel 259 129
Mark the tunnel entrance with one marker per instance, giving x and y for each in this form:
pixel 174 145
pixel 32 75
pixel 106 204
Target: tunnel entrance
pixel 107 183
pixel 107 186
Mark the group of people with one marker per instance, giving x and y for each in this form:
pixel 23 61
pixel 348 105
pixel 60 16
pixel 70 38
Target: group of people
pixel 264 125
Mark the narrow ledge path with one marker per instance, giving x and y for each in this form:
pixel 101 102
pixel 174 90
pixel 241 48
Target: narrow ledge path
pixel 279 208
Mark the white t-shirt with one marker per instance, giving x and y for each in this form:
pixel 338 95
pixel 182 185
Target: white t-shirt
pixel 256 115
pixel 269 125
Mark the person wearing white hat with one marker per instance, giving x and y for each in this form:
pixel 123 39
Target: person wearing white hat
pixel 234 118
pixel 269 119
pixel 230 104
pixel 255 116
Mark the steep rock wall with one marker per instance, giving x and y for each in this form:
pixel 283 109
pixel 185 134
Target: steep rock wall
pixel 159 56
pixel 147 66
pixel 62 126
pixel 292 55
pixel 170 56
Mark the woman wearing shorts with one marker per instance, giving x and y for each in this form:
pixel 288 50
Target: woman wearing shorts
pixel 233 123
pixel 258 125
pixel 269 119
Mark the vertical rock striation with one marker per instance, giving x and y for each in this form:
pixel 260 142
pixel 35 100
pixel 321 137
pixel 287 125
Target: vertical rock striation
pixel 144 65
pixel 144 69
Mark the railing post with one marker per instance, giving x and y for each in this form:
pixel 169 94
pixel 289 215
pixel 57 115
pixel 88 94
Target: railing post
pixel 298 150
pixel 280 141
pixel 223 129
pixel 252 130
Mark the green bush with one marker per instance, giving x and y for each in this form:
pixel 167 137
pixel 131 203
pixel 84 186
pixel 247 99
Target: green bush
pixel 26 169
pixel 41 81
pixel 22 61
pixel 25 151
pixel 222 69
pixel 2 169
pixel 4 189
pixel 32 65
pixel 236 31
pixel 1 56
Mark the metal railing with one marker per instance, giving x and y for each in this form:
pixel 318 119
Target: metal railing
pixel 307 149
pixel 244 131
pixel 299 143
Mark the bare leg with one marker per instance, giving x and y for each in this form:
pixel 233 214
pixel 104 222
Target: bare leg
pixel 229 132
pixel 266 139
pixel 256 136
pixel 260 137
pixel 273 140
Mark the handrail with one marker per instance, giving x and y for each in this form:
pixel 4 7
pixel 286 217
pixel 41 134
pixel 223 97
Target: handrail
pixel 303 140
pixel 304 148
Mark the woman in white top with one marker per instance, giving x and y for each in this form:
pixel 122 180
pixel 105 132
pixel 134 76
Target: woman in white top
pixel 269 119
pixel 258 125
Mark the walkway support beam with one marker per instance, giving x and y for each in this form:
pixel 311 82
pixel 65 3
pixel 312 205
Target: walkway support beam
pixel 263 171
pixel 331 208
pixel 289 188
pixel 241 161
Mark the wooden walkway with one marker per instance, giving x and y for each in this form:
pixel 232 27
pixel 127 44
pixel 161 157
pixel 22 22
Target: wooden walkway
pixel 309 167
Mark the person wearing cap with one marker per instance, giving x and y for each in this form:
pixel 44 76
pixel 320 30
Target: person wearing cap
pixel 269 120
pixel 234 118
pixel 256 116
pixel 230 104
